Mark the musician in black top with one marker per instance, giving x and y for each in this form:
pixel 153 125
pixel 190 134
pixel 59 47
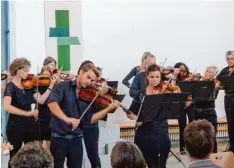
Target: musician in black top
pixel 206 109
pixel 17 102
pixel 229 98
pixel 152 137
pixel 181 72
pixel 135 70
pixel 43 127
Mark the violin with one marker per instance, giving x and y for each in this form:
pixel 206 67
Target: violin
pixel 166 71
pixel 192 77
pixel 231 70
pixel 3 76
pixel 32 81
pixel 165 87
pixel 103 100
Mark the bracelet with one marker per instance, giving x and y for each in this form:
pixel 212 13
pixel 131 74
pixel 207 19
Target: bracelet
pixel 49 88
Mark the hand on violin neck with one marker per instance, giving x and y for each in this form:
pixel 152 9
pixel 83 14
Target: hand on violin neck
pixel 113 105
pixel 54 80
pixel 104 91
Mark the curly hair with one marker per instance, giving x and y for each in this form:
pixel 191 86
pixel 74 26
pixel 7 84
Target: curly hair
pixel 32 155
pixel 18 64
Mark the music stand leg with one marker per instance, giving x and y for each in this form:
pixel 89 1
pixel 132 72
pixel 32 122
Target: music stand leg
pixel 172 153
pixel 227 147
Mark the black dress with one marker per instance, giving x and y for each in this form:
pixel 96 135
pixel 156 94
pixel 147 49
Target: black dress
pixel 20 128
pixel 43 127
pixel 152 138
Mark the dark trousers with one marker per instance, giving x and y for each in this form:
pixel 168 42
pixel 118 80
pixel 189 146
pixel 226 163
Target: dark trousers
pixel 209 115
pixel 229 109
pixel 19 134
pixel 154 149
pixel 91 136
pixel 72 149
pixel 182 124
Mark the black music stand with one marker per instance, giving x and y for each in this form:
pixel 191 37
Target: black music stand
pixel 113 84
pixel 118 97
pixel 161 107
pixel 227 82
pixel 199 90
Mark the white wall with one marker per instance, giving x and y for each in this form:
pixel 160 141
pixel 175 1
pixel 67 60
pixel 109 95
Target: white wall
pixel 28 31
pixel 115 33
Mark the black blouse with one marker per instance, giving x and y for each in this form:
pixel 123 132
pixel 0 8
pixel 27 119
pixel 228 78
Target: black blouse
pixel 225 72
pixel 20 98
pixel 44 111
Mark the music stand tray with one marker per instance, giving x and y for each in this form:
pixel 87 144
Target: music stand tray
pixel 161 107
pixel 113 84
pixel 200 90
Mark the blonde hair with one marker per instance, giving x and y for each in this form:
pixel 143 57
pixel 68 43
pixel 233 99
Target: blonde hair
pixel 18 64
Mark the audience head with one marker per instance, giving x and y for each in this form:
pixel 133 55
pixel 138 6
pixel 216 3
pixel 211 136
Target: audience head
pixel 32 155
pixel 126 154
pixel 199 138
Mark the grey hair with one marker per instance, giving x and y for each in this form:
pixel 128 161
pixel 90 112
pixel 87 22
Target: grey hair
pixel 229 53
pixel 213 67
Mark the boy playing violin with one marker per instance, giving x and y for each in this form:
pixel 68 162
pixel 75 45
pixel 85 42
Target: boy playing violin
pixel 64 103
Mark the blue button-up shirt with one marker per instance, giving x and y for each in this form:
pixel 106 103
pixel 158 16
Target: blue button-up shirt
pixel 64 94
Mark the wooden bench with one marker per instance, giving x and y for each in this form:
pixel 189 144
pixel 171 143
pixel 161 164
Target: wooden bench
pixel 127 129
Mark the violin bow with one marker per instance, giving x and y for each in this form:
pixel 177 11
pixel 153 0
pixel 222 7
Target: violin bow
pixel 163 62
